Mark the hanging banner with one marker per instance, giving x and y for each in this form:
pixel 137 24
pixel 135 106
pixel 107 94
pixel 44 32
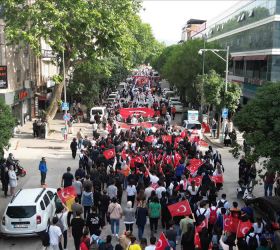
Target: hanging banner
pixel 144 112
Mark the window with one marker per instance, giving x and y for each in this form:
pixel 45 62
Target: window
pixel 42 205
pixel 50 194
pixel 21 212
pixel 251 13
pixel 46 200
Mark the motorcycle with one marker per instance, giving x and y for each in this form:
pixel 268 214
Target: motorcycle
pixel 19 170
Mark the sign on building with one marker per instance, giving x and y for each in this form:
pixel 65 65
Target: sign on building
pixel 3 77
pixel 192 115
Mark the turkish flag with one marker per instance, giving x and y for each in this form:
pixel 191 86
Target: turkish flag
pixel 203 224
pixel 178 139
pixel 194 165
pixel 109 153
pixel 181 208
pixel 138 159
pixel 197 180
pixel 203 143
pixel 162 242
pixel 228 223
pixel 149 139
pixel 243 228
pixel 184 133
pixel 66 194
pixel 177 158
pixel 124 155
pixel 197 243
pixel 218 179
pixel 167 138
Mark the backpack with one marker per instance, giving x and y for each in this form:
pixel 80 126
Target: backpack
pixel 213 216
pixel 200 217
pixel 252 243
pixel 60 223
pixel 221 204
pixel 45 237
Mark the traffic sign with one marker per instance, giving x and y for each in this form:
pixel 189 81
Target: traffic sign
pixel 225 113
pixel 65 106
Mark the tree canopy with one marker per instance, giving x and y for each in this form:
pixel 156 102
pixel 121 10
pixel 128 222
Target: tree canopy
pixel 82 30
pixel 7 123
pixel 260 122
pixel 180 64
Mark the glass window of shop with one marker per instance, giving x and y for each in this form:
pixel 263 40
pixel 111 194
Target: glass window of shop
pixel 258 38
pixel 239 68
pixel 256 69
pixel 250 13
pixel 275 68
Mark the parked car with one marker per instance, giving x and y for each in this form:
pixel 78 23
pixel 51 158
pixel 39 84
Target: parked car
pixel 266 207
pixel 194 127
pixel 29 212
pixel 174 98
pixel 178 105
pixel 102 111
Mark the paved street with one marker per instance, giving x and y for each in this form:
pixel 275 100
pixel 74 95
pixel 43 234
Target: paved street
pixel 58 155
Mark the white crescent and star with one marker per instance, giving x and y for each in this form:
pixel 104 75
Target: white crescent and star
pixel 183 210
pixel 159 244
pixel 245 230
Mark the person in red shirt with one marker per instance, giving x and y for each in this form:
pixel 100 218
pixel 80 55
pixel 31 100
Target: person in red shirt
pixel 173 112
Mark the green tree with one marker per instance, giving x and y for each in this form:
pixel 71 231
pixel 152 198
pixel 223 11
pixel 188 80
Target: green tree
pixel 181 63
pixel 78 28
pixel 260 122
pixel 7 123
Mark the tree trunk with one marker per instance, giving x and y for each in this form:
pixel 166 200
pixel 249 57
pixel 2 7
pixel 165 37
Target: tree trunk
pixel 56 98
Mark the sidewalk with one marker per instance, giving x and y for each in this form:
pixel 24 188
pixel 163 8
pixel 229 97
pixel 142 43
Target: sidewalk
pixel 217 142
pixel 55 139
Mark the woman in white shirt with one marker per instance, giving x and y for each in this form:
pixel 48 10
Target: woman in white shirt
pixel 12 180
pixel 131 192
pixel 193 190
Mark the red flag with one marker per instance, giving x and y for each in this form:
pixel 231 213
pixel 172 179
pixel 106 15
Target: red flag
pixel 197 244
pixel 184 133
pixel 138 159
pixel 228 223
pixel 178 139
pixel 197 180
pixel 181 208
pixel 67 193
pixel 167 138
pixel 203 224
pixel 124 155
pixel 218 178
pixel 162 242
pixel 194 165
pixel 243 228
pixel 109 153
pixel 203 143
pixel 177 158
pixel 149 138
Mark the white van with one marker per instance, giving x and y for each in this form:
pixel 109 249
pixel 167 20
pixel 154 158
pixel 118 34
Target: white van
pixel 122 85
pixel 102 111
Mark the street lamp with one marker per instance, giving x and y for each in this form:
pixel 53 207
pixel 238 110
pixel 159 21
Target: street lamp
pixel 215 51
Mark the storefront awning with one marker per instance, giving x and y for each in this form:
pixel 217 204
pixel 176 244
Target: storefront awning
pixel 238 58
pixel 256 58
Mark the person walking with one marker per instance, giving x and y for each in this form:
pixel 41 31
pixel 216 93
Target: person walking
pixel 62 224
pixel 80 137
pixel 129 216
pixel 154 214
pixel 115 213
pixel 131 192
pixel 12 180
pixel 55 234
pixel 73 147
pixel 77 225
pixel 78 187
pixel 173 112
pixel 141 217
pixel 269 178
pixel 43 170
pixel 67 178
pixel 94 222
pixel 87 201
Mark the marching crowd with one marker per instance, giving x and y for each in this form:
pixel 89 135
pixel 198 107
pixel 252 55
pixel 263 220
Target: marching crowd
pixel 137 174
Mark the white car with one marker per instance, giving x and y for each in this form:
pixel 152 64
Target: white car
pixel 102 111
pixel 29 212
pixel 178 105
pixel 194 127
pixel 165 90
pixel 113 95
pixel 175 98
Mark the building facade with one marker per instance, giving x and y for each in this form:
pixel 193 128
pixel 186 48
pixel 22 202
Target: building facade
pixel 25 77
pixel 252 31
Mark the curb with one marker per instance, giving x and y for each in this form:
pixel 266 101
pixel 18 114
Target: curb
pixel 218 145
